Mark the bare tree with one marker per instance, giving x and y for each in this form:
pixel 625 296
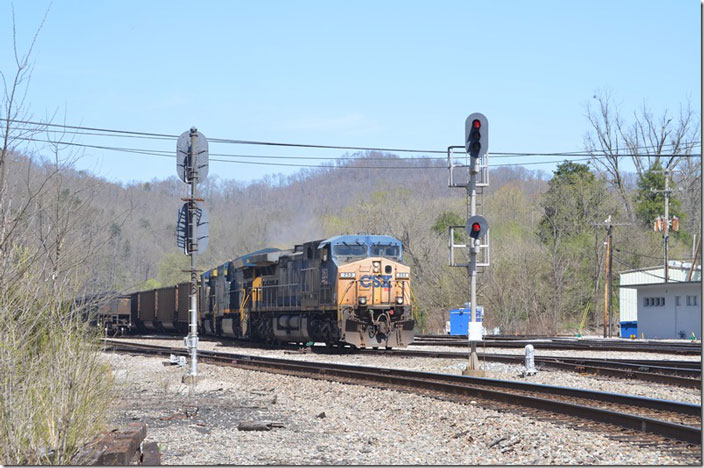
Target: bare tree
pixel 54 390
pixel 646 140
pixel 15 89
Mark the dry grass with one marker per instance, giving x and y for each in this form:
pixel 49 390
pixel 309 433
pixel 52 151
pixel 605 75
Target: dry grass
pixel 54 391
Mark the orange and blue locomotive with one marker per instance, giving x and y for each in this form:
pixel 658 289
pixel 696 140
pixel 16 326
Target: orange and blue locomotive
pixel 348 289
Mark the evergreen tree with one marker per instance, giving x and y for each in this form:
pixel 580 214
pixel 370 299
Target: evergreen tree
pixel 574 199
pixel 648 204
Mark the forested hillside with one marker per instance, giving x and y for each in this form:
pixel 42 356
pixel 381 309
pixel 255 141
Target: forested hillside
pixel 547 230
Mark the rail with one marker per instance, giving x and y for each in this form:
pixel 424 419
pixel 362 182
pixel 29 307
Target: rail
pixel 568 344
pixel 680 373
pixel 600 407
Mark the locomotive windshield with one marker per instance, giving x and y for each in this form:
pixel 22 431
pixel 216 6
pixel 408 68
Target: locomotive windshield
pixel 351 247
pixel 346 250
pixel 385 250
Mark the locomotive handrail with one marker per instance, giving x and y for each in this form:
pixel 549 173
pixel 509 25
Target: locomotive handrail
pixel 344 295
pixel 411 301
pixel 406 292
pixel 243 314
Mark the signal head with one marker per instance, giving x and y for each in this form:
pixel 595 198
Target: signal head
pixel 476 135
pixel 477 226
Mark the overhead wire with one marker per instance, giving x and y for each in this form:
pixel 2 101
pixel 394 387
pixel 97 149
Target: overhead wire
pixel 171 154
pixel 643 269
pixel 123 133
pixel 630 265
pixel 660 257
pixel 637 254
pixel 164 153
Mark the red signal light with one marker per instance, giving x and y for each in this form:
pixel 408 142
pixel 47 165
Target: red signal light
pixel 476 124
pixel 476 227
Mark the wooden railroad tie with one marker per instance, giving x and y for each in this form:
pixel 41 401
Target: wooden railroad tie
pixel 120 447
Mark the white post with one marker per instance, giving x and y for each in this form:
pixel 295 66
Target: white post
pixel 530 360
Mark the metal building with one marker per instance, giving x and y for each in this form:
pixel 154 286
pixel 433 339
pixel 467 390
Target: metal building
pixel 651 308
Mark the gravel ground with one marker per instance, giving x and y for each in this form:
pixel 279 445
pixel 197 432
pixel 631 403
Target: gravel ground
pixel 496 370
pixel 331 423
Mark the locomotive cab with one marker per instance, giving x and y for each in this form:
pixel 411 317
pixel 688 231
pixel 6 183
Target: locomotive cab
pixel 373 291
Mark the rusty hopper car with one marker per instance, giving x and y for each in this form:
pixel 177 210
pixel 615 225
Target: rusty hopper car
pixel 108 311
pixel 162 310
pixel 350 289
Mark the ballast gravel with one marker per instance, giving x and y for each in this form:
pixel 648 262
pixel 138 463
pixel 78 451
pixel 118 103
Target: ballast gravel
pixel 316 422
pixel 496 370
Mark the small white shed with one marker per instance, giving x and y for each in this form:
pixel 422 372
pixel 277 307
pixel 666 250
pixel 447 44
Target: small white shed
pixel 652 308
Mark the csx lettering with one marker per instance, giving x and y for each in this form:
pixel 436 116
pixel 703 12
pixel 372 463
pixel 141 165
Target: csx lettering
pixel 380 281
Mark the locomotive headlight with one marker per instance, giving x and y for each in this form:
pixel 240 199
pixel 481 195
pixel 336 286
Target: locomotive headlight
pixel 399 300
pixel 347 274
pixel 362 300
pixel 377 266
pixel 401 275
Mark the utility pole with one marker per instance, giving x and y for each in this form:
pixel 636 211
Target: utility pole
pixel 665 225
pixel 608 275
pixel 694 259
pixel 607 283
pixel 667 221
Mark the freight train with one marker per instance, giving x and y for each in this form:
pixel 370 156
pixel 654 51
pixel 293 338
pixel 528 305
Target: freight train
pixel 346 290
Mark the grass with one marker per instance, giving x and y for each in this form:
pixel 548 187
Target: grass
pixel 54 390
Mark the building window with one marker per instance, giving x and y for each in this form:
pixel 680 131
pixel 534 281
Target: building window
pixel 654 301
pixel 691 300
pixel 677 300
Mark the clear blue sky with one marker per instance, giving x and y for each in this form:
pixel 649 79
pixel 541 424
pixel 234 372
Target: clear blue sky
pixel 364 73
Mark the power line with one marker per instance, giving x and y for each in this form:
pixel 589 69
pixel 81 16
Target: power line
pixel 641 270
pixel 630 265
pixel 113 132
pixel 94 129
pixel 637 254
pixel 171 154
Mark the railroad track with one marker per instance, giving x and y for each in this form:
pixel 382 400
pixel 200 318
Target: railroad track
pixel 492 337
pixel 680 373
pixel 646 420
pixel 570 344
